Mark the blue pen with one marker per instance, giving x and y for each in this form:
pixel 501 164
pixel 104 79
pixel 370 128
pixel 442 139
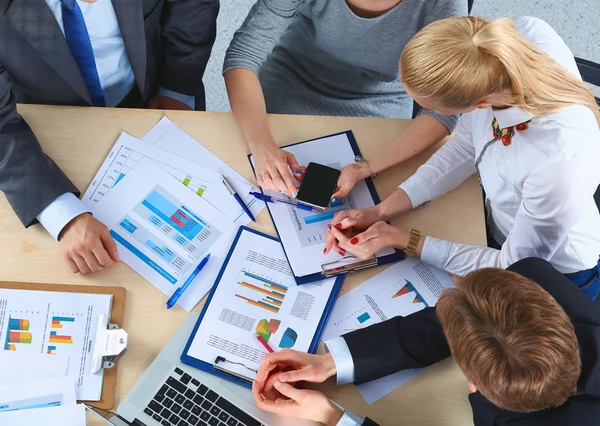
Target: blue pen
pixel 173 299
pixel 269 199
pixel 237 197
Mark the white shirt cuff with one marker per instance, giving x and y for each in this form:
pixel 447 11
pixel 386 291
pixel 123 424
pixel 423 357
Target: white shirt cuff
pixel 435 252
pixel 350 419
pixel 60 212
pixel 417 189
pixel 344 364
pixel 189 100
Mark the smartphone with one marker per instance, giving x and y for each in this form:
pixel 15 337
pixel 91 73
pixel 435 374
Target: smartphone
pixel 318 185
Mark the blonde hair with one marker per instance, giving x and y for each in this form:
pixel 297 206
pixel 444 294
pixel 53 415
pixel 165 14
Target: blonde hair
pixel 461 61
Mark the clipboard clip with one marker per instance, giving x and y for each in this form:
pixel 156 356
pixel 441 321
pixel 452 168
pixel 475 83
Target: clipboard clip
pixel 347 264
pixel 218 365
pixel 111 344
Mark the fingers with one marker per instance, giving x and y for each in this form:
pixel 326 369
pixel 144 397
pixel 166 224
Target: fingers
pixel 306 374
pixel 339 235
pixel 288 181
pixel 81 264
pixel 102 257
pixel 91 261
pixel 271 361
pixel 331 243
pixel 289 391
pixel 72 265
pixel 344 189
pixel 110 246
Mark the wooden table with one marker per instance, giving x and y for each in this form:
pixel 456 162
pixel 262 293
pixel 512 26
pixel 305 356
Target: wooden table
pixel 79 139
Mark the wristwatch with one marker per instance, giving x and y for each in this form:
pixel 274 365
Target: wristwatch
pixel 359 159
pixel 413 242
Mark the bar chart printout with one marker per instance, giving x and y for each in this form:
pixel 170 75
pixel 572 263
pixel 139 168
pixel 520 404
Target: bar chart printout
pixel 261 292
pixel 55 324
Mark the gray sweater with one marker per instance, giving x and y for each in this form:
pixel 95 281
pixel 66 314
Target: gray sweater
pixel 317 57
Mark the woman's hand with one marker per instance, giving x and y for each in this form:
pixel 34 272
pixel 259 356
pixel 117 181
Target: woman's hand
pixel 287 401
pixel 273 166
pixel 376 237
pixel 350 175
pixel 294 367
pixel 350 222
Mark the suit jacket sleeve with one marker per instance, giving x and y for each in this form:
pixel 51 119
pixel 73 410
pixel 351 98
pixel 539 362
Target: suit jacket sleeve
pixel 190 29
pixel 29 178
pixel 400 343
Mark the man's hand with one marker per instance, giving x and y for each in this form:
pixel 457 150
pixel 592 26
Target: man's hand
pixel 296 366
pixel 287 401
pixel 164 102
pixel 87 245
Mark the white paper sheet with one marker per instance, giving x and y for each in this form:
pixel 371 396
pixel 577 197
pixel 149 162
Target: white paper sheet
pixel 168 136
pixel 402 289
pixel 33 395
pixel 163 231
pixel 48 322
pixel 303 232
pixel 72 415
pixel 205 182
pixel 258 294
pixel 26 366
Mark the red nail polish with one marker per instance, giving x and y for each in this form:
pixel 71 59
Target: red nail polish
pixel 325 250
pixel 329 226
pixel 353 241
pixel 343 253
pixel 338 226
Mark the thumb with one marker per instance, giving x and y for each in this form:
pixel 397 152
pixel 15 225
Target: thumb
pixel 344 189
pixel 288 390
pixel 297 376
pixel 110 245
pixel 363 237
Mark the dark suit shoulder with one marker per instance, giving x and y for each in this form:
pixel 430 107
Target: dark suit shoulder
pixel 580 308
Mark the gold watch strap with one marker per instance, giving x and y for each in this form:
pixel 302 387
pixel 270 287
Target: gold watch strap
pixel 413 242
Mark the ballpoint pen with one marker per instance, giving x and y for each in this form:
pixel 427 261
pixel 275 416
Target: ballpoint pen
pixel 173 299
pixel 237 197
pixel 269 199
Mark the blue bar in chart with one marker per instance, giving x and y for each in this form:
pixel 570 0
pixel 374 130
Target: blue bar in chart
pixel 320 217
pixel 121 176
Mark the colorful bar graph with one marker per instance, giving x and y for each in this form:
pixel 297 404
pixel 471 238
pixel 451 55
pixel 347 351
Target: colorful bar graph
pixel 51 350
pixel 282 288
pixel 18 324
pixel 57 322
pixel 57 338
pixel 363 317
pixel 11 347
pixel 187 181
pixel 200 191
pixel 259 304
pixel 273 293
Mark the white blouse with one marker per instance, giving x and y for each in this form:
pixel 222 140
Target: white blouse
pixel 539 188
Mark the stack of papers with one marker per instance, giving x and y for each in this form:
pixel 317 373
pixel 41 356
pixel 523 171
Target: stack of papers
pixel 43 402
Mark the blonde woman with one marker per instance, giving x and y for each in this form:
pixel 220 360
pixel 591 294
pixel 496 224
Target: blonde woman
pixel 328 57
pixel 529 129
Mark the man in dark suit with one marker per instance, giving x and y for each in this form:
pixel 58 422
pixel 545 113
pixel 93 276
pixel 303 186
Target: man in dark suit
pixel 527 339
pixel 127 53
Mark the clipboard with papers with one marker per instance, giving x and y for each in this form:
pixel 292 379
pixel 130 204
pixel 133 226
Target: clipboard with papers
pixel 302 232
pixel 254 295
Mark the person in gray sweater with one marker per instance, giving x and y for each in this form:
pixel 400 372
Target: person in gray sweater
pixel 329 57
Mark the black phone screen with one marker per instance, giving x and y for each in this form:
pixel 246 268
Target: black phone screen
pixel 318 185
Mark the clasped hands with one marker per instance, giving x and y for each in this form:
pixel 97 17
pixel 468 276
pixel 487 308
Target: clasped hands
pixel 275 392
pixel 362 233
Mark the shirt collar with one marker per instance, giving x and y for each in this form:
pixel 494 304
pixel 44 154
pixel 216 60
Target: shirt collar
pixel 511 116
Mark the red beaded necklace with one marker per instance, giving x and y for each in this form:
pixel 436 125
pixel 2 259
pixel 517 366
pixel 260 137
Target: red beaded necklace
pixel 507 133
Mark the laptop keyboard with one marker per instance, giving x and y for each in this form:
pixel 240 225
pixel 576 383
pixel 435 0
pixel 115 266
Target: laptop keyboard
pixel 184 401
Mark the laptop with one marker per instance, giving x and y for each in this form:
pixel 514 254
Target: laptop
pixel 170 393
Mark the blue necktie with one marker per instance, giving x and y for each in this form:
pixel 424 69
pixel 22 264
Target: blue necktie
pixel 79 42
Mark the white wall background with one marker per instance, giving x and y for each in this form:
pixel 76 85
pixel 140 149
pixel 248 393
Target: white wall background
pixel 578 23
